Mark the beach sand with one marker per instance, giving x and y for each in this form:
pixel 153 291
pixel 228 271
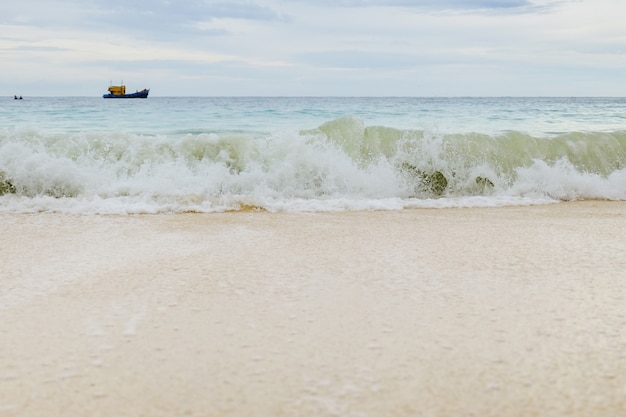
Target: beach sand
pixel 516 311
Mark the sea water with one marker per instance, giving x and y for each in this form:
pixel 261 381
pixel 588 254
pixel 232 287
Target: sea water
pixel 208 154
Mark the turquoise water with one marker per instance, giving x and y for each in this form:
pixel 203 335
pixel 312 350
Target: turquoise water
pixel 307 154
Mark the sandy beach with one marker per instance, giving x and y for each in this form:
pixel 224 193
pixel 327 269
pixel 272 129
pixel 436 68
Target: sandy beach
pixel 516 311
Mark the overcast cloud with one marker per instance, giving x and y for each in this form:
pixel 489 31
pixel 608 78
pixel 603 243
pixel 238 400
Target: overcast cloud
pixel 315 47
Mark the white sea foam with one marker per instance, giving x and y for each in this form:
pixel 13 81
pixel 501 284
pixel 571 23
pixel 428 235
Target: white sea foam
pixel 342 164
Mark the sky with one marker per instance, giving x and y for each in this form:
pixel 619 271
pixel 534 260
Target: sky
pixel 314 47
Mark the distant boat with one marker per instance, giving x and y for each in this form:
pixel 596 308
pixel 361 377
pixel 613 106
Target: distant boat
pixel 119 91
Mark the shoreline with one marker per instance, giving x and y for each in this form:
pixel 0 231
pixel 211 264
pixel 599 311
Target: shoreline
pixel 504 311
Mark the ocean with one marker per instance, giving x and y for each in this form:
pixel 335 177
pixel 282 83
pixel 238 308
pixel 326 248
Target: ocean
pixel 307 154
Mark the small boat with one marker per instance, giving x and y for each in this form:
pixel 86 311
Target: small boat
pixel 119 91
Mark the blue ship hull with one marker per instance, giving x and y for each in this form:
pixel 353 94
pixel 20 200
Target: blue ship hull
pixel 138 94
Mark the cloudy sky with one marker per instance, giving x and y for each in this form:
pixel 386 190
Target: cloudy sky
pixel 314 47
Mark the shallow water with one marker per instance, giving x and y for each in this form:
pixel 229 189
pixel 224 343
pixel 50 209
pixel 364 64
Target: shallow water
pixel 91 155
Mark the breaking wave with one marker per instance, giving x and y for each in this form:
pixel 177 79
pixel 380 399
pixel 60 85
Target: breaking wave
pixel 341 165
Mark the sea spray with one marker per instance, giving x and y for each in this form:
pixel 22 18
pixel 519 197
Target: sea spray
pixel 342 163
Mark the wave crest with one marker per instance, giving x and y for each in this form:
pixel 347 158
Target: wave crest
pixel 341 160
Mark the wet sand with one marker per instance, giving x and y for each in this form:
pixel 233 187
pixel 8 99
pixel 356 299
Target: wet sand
pixel 517 311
